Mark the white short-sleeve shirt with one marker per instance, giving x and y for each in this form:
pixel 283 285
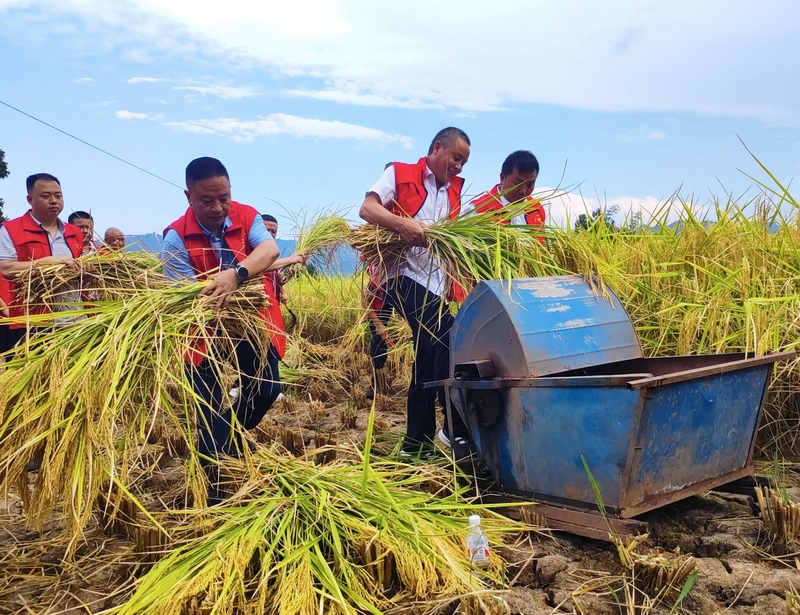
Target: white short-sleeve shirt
pixel 420 265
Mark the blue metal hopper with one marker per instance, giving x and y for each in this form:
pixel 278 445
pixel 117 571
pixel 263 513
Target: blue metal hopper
pixel 546 370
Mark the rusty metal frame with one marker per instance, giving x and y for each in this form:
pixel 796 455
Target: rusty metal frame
pixel 541 382
pixel 713 370
pixel 579 521
pixel 657 501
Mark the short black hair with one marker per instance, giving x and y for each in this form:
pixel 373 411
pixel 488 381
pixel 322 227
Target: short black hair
pixel 32 179
pixel 522 161
pixel 268 218
pixel 448 136
pixel 79 215
pixel 204 168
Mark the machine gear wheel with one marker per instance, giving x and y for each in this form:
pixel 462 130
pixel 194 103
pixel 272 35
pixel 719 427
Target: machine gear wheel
pixel 487 405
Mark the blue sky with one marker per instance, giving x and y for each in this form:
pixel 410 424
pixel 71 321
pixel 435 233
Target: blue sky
pixel 305 101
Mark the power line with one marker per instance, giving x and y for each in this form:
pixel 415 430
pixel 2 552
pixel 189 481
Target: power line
pixel 99 149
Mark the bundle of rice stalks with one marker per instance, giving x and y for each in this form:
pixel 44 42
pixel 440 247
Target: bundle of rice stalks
pixel 100 275
pixel 348 416
pixel 299 538
pixel 319 239
pixel 662 572
pixel 86 398
pixel 471 248
pixel 779 514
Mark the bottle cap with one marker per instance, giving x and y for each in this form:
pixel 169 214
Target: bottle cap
pixel 474 520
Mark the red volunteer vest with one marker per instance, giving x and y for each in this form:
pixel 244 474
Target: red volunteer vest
pixel 409 180
pixel 5 291
pixel 490 201
pixel 32 243
pixel 204 259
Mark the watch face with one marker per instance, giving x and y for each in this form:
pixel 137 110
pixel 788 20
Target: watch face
pixel 242 273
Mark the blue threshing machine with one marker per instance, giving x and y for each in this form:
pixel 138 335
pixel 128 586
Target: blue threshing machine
pixel 545 371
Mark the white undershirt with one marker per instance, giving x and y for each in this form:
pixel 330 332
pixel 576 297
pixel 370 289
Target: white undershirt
pixel 420 266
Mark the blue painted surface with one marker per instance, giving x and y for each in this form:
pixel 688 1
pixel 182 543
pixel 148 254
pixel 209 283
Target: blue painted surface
pixel 645 447
pixel 696 430
pixel 541 326
pixel 539 448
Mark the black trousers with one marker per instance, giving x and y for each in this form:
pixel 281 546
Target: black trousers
pixel 3 334
pixel 10 337
pixel 430 330
pixel 257 393
pixel 378 349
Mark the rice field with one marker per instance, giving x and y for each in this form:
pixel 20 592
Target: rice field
pixel 322 517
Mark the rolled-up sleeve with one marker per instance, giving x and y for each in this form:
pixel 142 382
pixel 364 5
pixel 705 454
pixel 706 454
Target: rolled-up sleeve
pixel 175 257
pixel 385 186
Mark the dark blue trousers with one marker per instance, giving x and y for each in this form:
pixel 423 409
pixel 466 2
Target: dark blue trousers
pixel 430 330
pixel 258 391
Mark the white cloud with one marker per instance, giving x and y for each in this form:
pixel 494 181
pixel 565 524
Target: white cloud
pixel 615 58
pixel 226 92
pixel 684 56
pixel 146 80
pixel 350 94
pixel 282 124
pixel 132 115
pixel 84 80
pixel 564 208
pixel 643 133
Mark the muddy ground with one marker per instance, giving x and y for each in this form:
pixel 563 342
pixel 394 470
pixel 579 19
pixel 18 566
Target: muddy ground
pixel 549 572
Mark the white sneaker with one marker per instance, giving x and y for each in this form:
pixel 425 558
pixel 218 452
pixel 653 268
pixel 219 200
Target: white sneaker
pixel 444 439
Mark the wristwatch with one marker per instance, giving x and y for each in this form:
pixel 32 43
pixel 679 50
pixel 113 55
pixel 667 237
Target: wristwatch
pixel 241 273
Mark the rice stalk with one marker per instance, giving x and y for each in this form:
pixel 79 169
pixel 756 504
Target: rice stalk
pixel 301 538
pixel 89 396
pixel 780 515
pixel 471 248
pixel 318 239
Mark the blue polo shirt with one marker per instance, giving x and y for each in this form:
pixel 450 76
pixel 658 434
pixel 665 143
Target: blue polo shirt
pixel 175 256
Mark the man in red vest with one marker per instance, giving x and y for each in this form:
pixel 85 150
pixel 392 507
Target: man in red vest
pixel 274 275
pixel 517 181
pixel 5 299
pixel 38 236
pixel 216 233
pixel 405 199
pixel 84 221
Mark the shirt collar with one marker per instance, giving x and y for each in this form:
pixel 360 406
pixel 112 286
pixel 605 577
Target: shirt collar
pixel 429 175
pixel 58 221
pixel 210 234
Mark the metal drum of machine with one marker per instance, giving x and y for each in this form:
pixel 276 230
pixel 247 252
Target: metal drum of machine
pixel 545 372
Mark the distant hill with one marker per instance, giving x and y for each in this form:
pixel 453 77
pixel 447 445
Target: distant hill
pixel 346 259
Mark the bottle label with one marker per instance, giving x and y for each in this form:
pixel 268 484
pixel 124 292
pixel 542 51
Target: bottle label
pixel 478 554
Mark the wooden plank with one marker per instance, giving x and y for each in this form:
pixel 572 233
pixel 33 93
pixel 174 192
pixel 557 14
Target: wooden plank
pixel 586 523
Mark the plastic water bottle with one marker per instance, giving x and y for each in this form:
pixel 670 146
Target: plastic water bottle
pixel 477 543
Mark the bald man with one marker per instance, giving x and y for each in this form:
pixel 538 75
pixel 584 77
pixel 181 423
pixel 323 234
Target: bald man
pixel 114 238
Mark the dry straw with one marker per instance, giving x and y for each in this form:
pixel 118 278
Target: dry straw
pixel 302 538
pixel 85 399
pixel 319 238
pixel 471 248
